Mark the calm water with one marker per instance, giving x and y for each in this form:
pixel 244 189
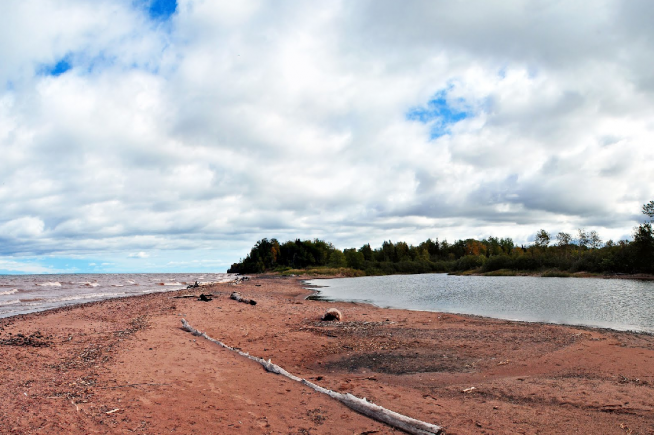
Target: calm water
pixel 22 294
pixel 608 303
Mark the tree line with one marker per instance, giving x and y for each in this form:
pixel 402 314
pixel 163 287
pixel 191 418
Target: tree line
pixel 561 252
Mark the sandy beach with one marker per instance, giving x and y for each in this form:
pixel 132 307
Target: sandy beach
pixel 126 366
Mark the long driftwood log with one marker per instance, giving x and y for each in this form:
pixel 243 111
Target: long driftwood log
pixel 362 406
pixel 237 297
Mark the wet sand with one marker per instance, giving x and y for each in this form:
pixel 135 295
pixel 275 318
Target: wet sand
pixel 126 366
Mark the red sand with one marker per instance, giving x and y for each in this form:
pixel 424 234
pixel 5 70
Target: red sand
pixel 125 366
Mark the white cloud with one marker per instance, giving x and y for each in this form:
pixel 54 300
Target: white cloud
pixel 233 123
pixel 12 266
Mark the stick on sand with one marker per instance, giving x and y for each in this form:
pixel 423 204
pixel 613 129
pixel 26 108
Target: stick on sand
pixel 362 406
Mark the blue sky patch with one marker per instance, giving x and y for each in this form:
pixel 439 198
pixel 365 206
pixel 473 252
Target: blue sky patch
pixel 58 68
pixel 162 9
pixel 441 112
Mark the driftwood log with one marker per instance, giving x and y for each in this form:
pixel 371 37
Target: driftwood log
pixel 200 297
pixel 237 297
pixel 362 406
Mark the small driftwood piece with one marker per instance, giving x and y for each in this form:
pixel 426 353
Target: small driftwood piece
pixel 205 298
pixel 237 297
pixel 362 406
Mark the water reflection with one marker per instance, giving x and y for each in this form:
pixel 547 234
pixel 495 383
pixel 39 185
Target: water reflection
pixel 609 303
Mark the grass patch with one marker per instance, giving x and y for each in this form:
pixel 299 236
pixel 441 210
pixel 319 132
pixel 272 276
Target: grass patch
pixel 501 272
pixel 556 274
pixel 469 272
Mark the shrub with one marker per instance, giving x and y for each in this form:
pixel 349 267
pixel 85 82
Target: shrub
pixel 497 262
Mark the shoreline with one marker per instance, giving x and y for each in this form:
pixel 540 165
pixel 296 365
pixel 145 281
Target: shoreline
pixel 124 365
pixel 314 292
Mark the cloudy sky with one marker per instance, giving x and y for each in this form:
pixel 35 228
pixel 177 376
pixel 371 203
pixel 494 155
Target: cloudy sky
pixel 140 135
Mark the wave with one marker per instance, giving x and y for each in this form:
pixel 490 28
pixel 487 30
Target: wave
pixel 88 296
pixel 170 283
pixel 12 302
pixel 89 284
pixel 49 284
pixel 9 292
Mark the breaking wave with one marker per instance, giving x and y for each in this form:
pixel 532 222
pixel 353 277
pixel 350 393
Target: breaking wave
pixel 88 296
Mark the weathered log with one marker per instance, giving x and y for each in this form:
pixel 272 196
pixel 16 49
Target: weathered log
pixel 362 406
pixel 237 297
pixel 205 298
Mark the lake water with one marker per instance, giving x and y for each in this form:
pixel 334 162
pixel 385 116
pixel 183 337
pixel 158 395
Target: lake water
pixel 22 294
pixel 608 303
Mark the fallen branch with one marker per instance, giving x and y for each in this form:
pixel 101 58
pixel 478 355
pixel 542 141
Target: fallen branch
pixel 237 297
pixel 362 406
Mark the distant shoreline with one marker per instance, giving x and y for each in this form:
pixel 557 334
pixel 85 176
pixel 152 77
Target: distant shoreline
pixel 317 273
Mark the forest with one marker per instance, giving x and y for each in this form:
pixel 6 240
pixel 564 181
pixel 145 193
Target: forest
pixel 560 254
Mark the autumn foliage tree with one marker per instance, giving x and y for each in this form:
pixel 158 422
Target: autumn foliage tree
pixel 585 253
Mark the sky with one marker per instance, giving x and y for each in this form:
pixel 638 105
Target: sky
pixel 170 136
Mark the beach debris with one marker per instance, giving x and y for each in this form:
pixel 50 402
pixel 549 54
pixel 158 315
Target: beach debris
pixel 113 411
pixel 332 314
pixel 469 390
pixel 196 285
pixel 239 298
pixel 35 339
pixel 362 406
pixel 205 298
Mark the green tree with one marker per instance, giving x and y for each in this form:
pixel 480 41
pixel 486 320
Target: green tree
pixel 582 238
pixel 594 240
pixel 337 259
pixel 542 239
pixel 563 239
pixel 354 259
pixel 402 252
pixel 644 246
pixel 366 250
pixel 432 247
pixel 507 245
pixel 648 209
